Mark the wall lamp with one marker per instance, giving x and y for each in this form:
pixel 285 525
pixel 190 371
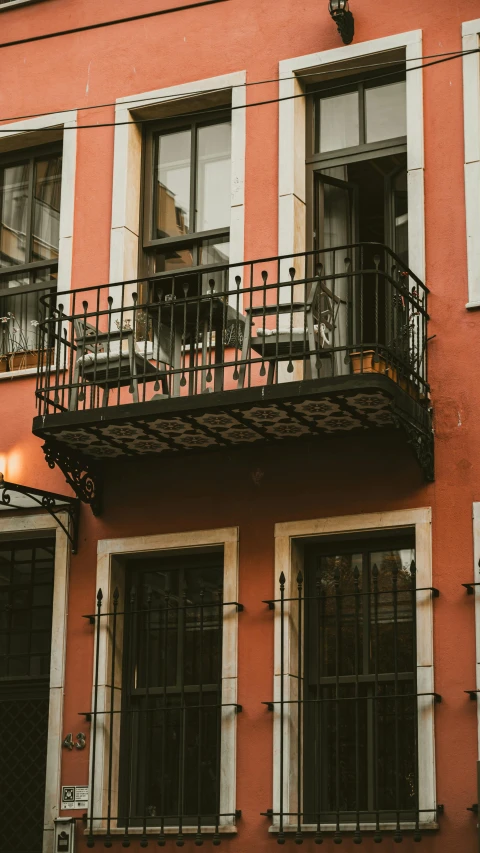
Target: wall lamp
pixel 343 18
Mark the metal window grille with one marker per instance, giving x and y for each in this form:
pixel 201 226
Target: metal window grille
pixel 159 730
pixel 347 698
pixel 26 593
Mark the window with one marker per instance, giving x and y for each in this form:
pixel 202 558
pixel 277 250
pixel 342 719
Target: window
pixel 356 163
pixel 30 189
pixel 353 691
pixel 187 194
pixel 172 691
pixel 26 593
pixel 359 719
pixel 164 738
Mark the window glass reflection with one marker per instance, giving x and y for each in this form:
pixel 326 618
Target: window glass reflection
pixel 386 112
pixel 46 208
pixel 13 223
pixel 339 122
pixel 172 185
pixel 213 177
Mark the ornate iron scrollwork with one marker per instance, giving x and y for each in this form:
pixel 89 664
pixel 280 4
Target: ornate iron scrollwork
pixel 80 473
pixel 420 440
pixel 54 504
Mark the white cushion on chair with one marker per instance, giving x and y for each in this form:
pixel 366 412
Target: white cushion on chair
pixel 113 353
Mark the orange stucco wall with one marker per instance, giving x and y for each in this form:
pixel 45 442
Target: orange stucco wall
pixel 257 487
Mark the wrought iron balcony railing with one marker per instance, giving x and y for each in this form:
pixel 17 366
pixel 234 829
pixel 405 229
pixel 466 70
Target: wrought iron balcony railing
pixel 340 312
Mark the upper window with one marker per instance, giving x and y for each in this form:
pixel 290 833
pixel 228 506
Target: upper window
pixel 30 188
pixel 187 194
pixel 368 112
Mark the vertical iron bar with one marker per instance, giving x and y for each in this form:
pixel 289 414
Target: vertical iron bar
pixel 337 836
pixel 144 839
pixel 377 836
pixel 161 836
pixel 90 839
pixel 108 838
pixel 181 752
pixel 281 833
pixel 397 835
pixel 298 834
pixel 320 611
pixel 413 573
pixel 357 838
pixel 129 723
pixel 198 840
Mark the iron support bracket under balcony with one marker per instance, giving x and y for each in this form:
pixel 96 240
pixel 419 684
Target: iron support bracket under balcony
pixel 81 474
pixel 15 496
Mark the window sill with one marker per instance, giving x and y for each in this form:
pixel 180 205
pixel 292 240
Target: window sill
pixel 28 371
pixel 228 829
pixel 388 826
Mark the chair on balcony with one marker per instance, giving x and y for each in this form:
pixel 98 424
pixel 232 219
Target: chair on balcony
pixel 291 342
pixel 111 360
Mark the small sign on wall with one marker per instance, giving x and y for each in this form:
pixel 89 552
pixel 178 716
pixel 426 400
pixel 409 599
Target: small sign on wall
pixel 74 797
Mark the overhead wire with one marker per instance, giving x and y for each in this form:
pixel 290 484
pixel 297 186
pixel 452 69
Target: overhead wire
pixel 211 110
pixel 246 84
pixel 102 24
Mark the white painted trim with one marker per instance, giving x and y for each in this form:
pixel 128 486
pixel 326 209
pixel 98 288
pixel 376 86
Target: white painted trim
pixel 292 136
pixel 471 119
pixel 476 579
pixel 125 229
pixel 109 575
pixel 33 524
pixel 30 131
pixel 288 561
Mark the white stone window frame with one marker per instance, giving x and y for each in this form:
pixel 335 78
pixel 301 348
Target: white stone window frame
pixel 292 233
pixel 111 574
pixel 20 136
pixel 471 118
pixel 27 527
pixel 476 579
pixel 130 113
pixel 288 559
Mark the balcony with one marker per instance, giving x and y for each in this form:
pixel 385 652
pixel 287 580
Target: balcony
pixel 195 359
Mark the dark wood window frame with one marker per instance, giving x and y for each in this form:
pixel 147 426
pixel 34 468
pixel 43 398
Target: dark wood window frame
pixel 192 239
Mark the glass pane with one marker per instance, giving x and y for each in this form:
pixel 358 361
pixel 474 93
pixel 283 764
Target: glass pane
pixel 214 251
pixel 13 222
pixel 339 122
pixel 20 315
pixel 386 112
pixel 174 258
pixel 46 208
pixel 391 611
pixel 213 177
pixel 172 185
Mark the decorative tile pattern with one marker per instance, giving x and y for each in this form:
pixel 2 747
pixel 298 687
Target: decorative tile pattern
pixel 201 428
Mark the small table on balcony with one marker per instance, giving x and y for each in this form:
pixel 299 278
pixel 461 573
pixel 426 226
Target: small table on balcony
pixel 188 319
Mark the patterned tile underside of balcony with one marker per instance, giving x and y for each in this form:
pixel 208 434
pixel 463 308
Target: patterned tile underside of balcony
pixel 233 426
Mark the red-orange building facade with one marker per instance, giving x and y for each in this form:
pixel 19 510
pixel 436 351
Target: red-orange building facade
pixel 231 234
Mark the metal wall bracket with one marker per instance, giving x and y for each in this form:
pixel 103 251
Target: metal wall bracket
pixel 421 441
pixel 80 473
pixel 15 496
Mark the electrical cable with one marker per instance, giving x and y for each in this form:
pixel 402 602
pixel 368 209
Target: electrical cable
pixel 103 24
pixel 175 97
pixel 211 110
